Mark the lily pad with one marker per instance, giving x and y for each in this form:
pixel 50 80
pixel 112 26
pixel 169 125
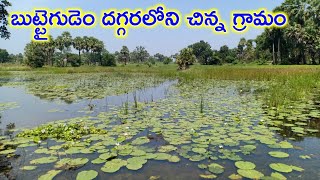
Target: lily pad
pixel 28 168
pixel 278 176
pixel 87 175
pixel 68 163
pixel 245 165
pixel 107 156
pixel 44 160
pixel 280 167
pixel 199 150
pixel 278 154
pixel 162 156
pixel 134 166
pixel 215 168
pixel 49 175
pixel 8 151
pixel 174 159
pixel 305 157
pixel 113 165
pixel 208 176
pixel 235 177
pixel 98 161
pixel 251 173
pixel 296 168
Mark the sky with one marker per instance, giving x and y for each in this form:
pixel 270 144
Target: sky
pixel 157 40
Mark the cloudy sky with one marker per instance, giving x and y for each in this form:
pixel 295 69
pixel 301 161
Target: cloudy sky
pixel 159 39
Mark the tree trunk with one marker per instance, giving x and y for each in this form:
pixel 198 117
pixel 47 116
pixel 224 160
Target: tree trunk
pixel 303 56
pixel 273 54
pixel 279 51
pixel 79 55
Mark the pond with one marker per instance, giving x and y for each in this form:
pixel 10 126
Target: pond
pixel 118 126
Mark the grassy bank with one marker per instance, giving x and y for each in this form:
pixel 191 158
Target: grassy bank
pixel 288 83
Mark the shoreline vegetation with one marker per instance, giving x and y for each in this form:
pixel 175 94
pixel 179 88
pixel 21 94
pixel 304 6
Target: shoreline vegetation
pixel 286 83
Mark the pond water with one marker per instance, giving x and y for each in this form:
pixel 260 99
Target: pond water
pixel 108 126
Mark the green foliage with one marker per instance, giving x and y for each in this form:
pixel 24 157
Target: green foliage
pixel 4 33
pixel 160 57
pixel 124 55
pixel 69 132
pixel 74 60
pixel 202 51
pixel 4 56
pixel 185 58
pixel 139 55
pixel 299 42
pixel 34 54
pixel 108 59
pixel 167 60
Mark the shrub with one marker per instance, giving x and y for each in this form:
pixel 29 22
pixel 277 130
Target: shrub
pixel 74 60
pixel 167 60
pixel 108 59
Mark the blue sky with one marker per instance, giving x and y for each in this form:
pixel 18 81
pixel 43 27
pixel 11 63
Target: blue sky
pixel 159 39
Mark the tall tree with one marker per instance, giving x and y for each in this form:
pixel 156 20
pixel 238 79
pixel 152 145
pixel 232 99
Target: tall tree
pixel 34 54
pixel 140 54
pixel 4 56
pixel 124 55
pixel 4 33
pixel 203 52
pixel 241 47
pixel 49 49
pixel 78 45
pixel 159 57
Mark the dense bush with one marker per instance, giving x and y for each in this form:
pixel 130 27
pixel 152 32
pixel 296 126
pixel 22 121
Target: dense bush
pixel 74 60
pixel 167 60
pixel 34 54
pixel 108 59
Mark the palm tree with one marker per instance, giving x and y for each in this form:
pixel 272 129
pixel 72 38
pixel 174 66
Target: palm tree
pixel 49 48
pixel 78 45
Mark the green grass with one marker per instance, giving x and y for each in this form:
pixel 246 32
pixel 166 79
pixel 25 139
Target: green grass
pixel 4 73
pixel 289 83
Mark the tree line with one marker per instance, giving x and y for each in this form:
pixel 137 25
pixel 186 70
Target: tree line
pixel 298 43
pixel 91 51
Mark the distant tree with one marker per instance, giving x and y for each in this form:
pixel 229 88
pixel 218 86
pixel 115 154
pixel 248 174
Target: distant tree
pixel 167 60
pixel 16 58
pixel 241 47
pixel 249 52
pixel 151 61
pixel 49 49
pixel 124 55
pixel 4 56
pixel 159 57
pixel 224 52
pixel 34 54
pixel 108 59
pixel 74 60
pixel 214 60
pixel 4 33
pixel 203 52
pixel 185 58
pixel 77 44
pixel 67 40
pixel 63 43
pixel 140 54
